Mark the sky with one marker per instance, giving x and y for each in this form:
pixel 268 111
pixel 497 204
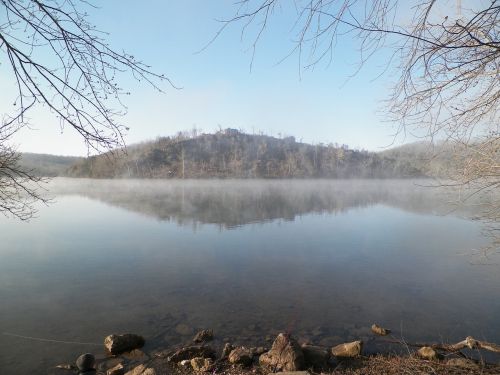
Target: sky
pixel 222 86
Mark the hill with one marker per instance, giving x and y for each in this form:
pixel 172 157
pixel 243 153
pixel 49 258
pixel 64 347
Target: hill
pixel 47 165
pixel 233 154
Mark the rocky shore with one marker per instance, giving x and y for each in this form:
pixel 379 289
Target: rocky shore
pixel 124 356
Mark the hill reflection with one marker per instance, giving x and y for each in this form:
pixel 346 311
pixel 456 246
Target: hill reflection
pixel 233 203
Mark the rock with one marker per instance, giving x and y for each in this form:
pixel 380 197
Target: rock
pixel 462 363
pixel 426 352
pixel 117 370
pixel 285 355
pixel 315 356
pixel 241 356
pixel 348 350
pixel 185 362
pixel 201 364
pixel 183 329
pixel 85 362
pixel 191 352
pixel 204 336
pixel 117 344
pixel 292 373
pixel 226 350
pixel 141 370
pixel 376 329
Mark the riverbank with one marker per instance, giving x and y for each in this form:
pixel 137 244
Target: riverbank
pixel 124 356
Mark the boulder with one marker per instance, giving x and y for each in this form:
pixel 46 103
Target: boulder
pixel 201 364
pixel 376 329
pixel 118 344
pixel 426 352
pixel 204 336
pixel 315 356
pixel 348 350
pixel 85 362
pixel 241 356
pixel 191 352
pixel 285 355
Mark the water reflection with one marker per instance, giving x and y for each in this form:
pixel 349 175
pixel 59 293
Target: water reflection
pixel 231 203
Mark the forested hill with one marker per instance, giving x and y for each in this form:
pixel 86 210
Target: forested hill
pixel 234 154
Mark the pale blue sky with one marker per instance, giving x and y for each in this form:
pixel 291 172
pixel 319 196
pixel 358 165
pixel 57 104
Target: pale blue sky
pixel 218 88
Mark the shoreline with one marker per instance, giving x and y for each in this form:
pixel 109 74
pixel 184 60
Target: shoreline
pixel 125 356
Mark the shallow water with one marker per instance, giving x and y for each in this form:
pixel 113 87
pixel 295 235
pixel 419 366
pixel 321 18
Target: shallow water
pixel 320 259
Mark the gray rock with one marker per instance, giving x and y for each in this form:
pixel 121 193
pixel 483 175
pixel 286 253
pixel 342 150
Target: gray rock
pixel 191 352
pixel 241 356
pixel 117 344
pixel 85 362
pixel 204 336
pixel 315 356
pixel 285 355
pixel 348 350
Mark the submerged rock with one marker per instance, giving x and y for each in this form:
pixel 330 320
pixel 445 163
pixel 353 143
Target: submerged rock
pixel 285 355
pixel 348 350
pixel 379 330
pixel 183 329
pixel 118 344
pixel 86 362
pixel 204 336
pixel 241 356
pixel 315 356
pixel 191 352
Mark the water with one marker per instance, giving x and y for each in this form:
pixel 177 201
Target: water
pixel 321 259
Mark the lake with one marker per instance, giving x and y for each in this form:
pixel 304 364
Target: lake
pixel 320 259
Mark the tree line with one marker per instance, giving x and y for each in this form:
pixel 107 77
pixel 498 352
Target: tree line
pixel 231 153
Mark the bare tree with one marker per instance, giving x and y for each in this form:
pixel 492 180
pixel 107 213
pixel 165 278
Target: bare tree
pixel 445 55
pixel 60 61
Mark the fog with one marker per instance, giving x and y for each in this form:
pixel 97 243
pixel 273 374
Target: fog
pixel 232 203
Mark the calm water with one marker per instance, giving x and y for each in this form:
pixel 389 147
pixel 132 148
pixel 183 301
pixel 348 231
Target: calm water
pixel 322 259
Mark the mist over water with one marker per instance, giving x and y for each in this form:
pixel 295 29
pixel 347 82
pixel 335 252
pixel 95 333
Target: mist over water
pixel 321 259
